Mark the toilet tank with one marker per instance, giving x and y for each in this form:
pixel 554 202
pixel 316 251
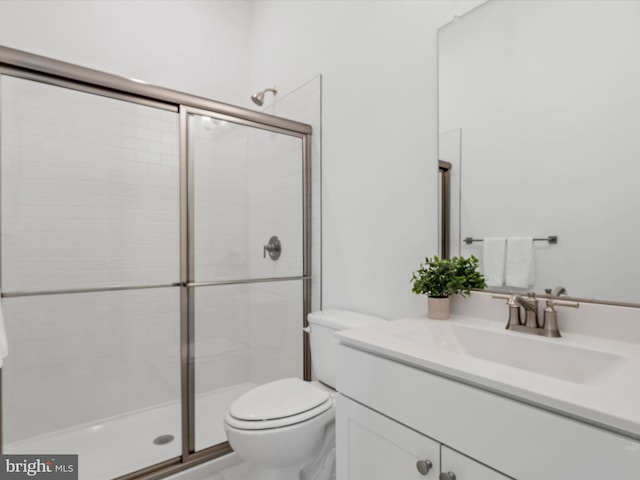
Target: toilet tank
pixel 322 326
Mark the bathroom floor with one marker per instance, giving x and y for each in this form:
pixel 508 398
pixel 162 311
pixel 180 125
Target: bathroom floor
pixel 237 470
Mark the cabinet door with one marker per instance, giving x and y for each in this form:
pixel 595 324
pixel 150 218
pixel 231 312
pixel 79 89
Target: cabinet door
pixel 464 468
pixel 371 446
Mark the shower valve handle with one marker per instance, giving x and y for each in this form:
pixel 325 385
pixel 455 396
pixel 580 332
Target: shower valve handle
pixel 274 247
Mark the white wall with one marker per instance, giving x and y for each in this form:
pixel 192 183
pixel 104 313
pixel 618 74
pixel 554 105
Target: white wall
pixel 379 152
pixel 196 46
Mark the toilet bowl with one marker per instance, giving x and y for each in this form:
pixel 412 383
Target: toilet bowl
pixel 283 434
pixel 284 427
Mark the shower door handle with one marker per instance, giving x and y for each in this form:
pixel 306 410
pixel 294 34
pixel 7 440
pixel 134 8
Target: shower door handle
pixel 274 248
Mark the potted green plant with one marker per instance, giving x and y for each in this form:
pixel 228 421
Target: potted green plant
pixel 439 278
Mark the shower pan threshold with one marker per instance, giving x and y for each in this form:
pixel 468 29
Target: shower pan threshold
pixel 130 437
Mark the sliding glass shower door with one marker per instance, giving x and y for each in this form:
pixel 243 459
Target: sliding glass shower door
pixel 246 265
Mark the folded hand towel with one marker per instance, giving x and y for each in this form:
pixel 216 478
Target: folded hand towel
pixel 4 347
pixel 519 267
pixel 493 258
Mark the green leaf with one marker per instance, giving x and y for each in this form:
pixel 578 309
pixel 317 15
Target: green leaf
pixel 445 277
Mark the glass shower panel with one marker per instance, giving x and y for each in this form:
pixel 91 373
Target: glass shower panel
pixel 94 374
pixel 247 187
pixel 89 190
pixel 245 335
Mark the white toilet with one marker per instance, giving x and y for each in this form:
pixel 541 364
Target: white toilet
pixel 287 426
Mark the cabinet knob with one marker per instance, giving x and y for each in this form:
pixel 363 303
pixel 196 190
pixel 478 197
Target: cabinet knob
pixel 447 476
pixel 424 466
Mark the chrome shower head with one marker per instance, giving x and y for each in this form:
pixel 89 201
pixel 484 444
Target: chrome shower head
pixel 258 98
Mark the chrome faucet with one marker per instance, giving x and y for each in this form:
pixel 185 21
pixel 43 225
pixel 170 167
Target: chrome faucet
pixel 548 327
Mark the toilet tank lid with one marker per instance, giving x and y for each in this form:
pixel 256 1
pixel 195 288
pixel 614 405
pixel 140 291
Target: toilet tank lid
pixel 342 319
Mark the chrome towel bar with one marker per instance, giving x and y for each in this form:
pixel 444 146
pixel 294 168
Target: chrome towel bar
pixel 552 239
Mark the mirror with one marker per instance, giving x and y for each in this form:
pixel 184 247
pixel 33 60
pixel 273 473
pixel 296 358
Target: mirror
pixel 539 112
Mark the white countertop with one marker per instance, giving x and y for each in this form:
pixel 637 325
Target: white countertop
pixel 608 399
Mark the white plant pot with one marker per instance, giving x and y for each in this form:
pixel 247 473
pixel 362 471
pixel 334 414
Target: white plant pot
pixel 438 308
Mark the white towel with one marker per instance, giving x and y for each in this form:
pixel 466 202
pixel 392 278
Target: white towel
pixel 4 345
pixel 493 258
pixel 519 267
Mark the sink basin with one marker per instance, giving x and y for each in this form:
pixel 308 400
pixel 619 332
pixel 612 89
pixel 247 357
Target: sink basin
pixel 550 357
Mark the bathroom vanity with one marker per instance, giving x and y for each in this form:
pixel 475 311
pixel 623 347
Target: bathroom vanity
pixel 466 399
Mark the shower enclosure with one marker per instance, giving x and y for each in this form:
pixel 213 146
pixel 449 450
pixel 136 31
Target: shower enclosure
pixel 139 289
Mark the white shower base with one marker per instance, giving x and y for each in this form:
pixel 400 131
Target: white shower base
pixel 123 444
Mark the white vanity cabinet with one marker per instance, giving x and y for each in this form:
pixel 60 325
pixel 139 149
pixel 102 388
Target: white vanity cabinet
pixel 374 447
pixel 391 414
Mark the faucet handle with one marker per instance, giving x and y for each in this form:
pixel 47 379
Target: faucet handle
pixel 562 303
pixel 557 291
pixel 514 312
pixel 550 325
pixel 501 296
pixel 513 301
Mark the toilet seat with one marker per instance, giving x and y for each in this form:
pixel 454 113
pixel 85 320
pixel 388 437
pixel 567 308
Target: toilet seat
pixel 278 404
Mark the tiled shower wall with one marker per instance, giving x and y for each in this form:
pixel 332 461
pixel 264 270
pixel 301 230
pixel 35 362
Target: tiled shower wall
pixel 89 190
pixel 218 155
